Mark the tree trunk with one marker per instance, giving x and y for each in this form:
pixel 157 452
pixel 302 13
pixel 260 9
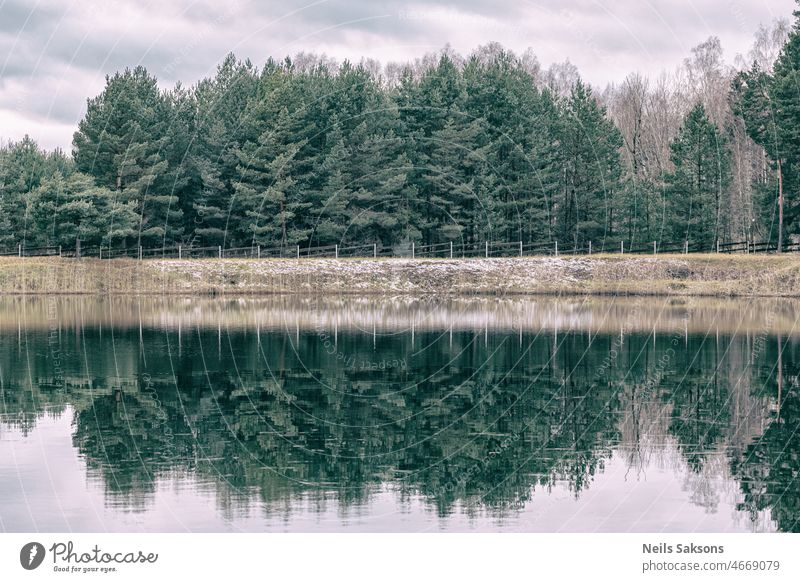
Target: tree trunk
pixel 283 227
pixel 780 208
pixel 780 375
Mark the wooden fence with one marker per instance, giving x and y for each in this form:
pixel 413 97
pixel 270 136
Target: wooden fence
pixel 445 250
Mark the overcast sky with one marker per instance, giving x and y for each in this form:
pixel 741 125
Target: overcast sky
pixel 55 53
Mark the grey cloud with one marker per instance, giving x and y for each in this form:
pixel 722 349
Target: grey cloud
pixel 58 53
pixel 16 17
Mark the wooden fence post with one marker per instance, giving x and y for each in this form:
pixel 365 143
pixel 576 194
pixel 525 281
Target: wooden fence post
pixel 655 250
pixel 59 251
pixel 180 252
pixel 219 250
pixel 20 249
pixel 451 249
pixel 520 248
pixel 487 249
pixel 556 248
pixel 622 247
pixel 412 249
pixel 374 250
pixel 590 247
pixel 258 251
pixel 686 247
pixel 337 251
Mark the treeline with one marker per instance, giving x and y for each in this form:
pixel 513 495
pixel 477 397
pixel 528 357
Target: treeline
pixel 484 148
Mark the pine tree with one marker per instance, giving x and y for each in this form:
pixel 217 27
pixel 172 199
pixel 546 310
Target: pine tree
pixel 68 209
pixel 427 107
pixel 769 105
pixel 123 142
pixel 541 173
pixel 380 189
pixel 694 188
pixel 220 129
pixel 23 168
pixel 750 100
pixel 266 188
pixel 590 145
pixel 785 106
pixel 456 177
pixel 330 203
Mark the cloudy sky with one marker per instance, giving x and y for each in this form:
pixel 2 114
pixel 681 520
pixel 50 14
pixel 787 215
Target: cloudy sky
pixel 55 53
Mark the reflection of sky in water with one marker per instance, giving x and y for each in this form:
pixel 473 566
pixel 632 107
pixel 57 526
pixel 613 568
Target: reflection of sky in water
pixel 44 487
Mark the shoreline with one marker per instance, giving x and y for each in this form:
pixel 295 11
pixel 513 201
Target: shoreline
pixel 708 275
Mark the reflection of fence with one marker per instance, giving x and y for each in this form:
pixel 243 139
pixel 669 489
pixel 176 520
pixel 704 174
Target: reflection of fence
pixel 446 250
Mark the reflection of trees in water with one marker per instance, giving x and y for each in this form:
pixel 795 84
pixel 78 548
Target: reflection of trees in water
pixel 769 468
pixel 474 421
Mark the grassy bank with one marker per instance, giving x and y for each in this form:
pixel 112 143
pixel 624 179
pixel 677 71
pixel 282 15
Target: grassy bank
pixel 679 275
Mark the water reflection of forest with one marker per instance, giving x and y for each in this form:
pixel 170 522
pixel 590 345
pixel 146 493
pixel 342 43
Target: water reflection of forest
pixel 480 418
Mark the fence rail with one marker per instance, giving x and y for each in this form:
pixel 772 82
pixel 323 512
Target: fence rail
pixel 445 250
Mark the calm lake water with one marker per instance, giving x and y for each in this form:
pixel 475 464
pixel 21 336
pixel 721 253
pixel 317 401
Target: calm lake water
pixel 312 414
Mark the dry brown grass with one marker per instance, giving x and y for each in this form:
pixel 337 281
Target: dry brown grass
pixel 674 275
